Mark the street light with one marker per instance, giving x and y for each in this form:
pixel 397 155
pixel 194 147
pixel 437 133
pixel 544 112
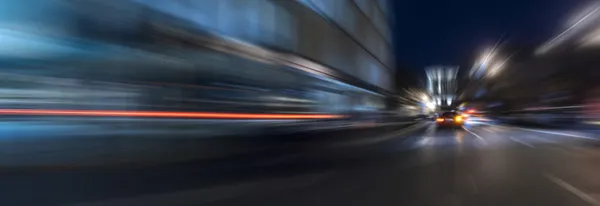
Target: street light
pixel 430 105
pixel 482 64
pixel 498 66
pixel 424 97
pixel 495 69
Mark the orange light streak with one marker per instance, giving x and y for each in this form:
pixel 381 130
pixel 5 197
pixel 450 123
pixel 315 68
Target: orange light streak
pixel 200 115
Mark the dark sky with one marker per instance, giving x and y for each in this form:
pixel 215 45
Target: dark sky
pixel 453 32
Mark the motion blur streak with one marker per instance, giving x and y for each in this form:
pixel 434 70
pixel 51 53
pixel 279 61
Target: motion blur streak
pixel 207 115
pixel 298 102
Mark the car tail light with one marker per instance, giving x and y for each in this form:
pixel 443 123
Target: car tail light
pixel 439 119
pixel 458 118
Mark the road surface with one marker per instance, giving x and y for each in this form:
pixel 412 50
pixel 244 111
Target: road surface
pixel 421 164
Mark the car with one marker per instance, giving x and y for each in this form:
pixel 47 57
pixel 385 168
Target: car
pixel 452 119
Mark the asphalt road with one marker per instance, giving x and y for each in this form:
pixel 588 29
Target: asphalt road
pixel 418 165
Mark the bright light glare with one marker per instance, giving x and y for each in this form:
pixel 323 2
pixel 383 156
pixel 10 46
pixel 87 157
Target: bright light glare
pixel 592 39
pixel 494 70
pixel 430 105
pixel 458 118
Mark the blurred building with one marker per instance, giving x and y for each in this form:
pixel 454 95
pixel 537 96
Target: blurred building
pixel 558 72
pixel 441 84
pixel 552 83
pixel 318 56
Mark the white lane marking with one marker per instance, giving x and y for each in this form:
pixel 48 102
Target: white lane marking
pixel 486 129
pixel 425 140
pixel 480 138
pixel 475 188
pixel 544 140
pixel 521 142
pixel 574 190
pixel 485 123
pixel 557 133
pixel 569 153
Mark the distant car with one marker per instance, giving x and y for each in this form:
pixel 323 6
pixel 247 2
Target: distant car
pixel 452 119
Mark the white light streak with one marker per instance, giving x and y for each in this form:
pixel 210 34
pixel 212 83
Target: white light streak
pixel 554 41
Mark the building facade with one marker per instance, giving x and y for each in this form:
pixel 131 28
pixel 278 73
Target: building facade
pixel 319 55
pixel 441 84
pixel 351 38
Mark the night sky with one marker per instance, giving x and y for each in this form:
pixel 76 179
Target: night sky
pixel 453 32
